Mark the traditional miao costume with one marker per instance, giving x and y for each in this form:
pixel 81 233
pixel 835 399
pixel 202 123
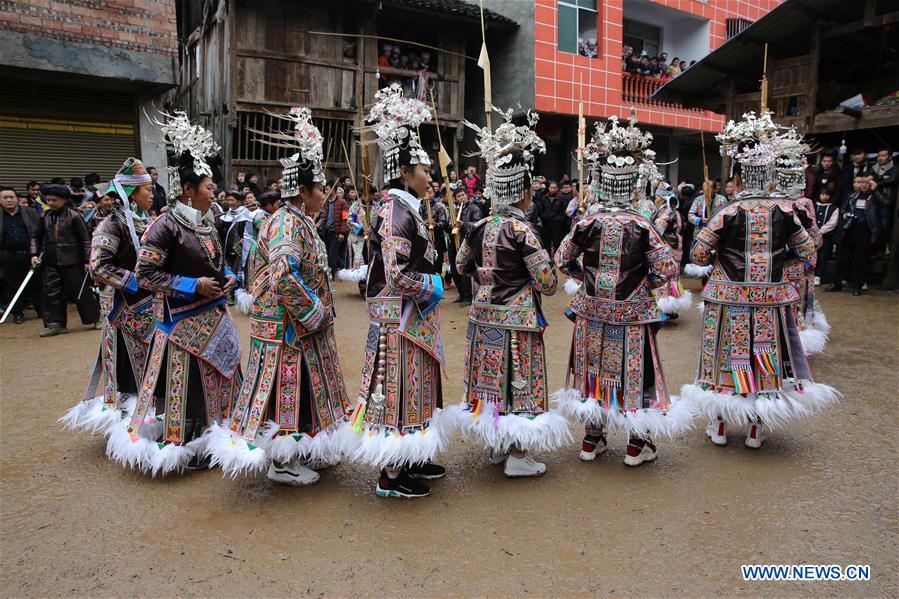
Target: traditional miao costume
pixel 358 268
pixel 790 183
pixel 397 421
pixel 193 360
pixel 293 397
pixel 668 223
pixel 701 210
pixel 614 379
pixel 752 367
pixel 126 309
pixel 506 399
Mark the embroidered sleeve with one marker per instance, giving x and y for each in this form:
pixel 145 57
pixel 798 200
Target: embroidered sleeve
pixel 292 264
pixel 104 247
pixel 151 258
pixel 570 249
pixel 536 258
pixel 660 260
pixel 705 244
pixel 396 248
pixel 661 221
pixel 465 262
pixel 801 241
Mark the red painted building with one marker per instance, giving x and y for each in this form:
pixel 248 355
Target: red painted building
pixel 577 56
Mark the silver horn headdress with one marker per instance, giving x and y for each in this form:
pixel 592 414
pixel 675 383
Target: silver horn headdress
pixel 394 120
pixel 622 159
pixel 306 140
pixel 751 143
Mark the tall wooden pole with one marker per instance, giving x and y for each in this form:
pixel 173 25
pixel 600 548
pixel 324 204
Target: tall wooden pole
pixel 484 63
pixel 581 143
pixel 444 160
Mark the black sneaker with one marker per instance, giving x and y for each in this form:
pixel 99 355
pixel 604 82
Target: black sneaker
pixel 18 318
pixel 403 486
pixel 199 463
pixel 672 316
pixel 834 287
pixel 426 471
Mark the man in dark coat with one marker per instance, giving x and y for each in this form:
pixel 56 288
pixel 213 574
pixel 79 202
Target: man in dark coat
pixel 18 227
pixel 66 244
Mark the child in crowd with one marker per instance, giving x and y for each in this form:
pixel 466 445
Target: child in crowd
pixel 827 215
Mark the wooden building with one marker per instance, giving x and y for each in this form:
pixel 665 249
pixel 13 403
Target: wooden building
pixel 820 53
pixel 242 58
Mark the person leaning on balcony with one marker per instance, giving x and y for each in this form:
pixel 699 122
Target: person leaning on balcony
pixel 673 69
pixel 626 53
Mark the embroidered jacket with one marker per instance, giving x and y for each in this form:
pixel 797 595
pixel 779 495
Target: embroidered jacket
pixel 178 248
pixel 624 259
pixel 291 284
pixel 504 254
pixel 113 256
pixel 668 223
pixel 750 240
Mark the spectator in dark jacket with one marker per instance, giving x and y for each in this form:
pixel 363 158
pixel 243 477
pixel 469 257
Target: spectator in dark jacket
pixel 19 226
pixel 827 175
pixel 469 214
pixel 883 173
pixel 160 200
pixel 553 217
pixel 66 245
pixel 333 229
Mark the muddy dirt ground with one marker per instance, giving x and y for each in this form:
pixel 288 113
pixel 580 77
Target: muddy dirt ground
pixel 822 491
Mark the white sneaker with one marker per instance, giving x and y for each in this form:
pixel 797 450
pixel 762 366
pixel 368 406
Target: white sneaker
pixel 497 457
pixel 715 431
pixel 294 473
pixel 647 453
pixel 321 463
pixel 592 446
pixel 755 436
pixel 523 467
pixel 865 287
pixel 817 281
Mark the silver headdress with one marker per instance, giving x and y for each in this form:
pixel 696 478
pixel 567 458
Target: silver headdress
pixel 791 162
pixel 306 139
pixel 751 142
pixel 622 159
pixel 187 141
pixel 395 121
pixel 506 177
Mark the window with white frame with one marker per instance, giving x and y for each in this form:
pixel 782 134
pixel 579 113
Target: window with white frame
pixel 577 27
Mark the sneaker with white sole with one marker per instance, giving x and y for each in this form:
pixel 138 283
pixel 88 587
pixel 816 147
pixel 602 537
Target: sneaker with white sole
pixel 401 487
pixel 523 467
pixel 426 471
pixel 321 463
pixel 592 446
pixel 716 432
pixel 497 457
pixel 755 436
pixel 639 451
pixel 293 473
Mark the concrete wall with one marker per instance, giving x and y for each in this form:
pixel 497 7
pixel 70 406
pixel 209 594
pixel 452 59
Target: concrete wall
pixel 512 55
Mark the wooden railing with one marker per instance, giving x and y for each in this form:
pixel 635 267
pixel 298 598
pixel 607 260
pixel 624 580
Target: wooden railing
pixel 639 89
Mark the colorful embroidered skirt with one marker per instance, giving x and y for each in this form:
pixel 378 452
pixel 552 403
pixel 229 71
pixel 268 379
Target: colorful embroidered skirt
pixel 505 402
pixel 752 366
pixel 292 401
pixel 615 380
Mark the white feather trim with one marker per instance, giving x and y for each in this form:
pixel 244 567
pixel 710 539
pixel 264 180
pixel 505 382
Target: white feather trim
pixel 818 321
pixel 813 340
pixel 700 306
pixel 544 433
pixel 772 409
pixel 694 271
pixel 649 422
pixel 674 305
pixel 132 453
pixel 381 447
pixel 93 415
pixel 353 275
pixel 244 300
pixel 233 454
pixel 572 286
pixel 324 446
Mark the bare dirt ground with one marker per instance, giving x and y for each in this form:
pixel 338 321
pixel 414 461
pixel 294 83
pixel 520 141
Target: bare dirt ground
pixel 822 492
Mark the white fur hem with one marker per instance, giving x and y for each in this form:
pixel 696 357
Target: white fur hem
pixel 381 446
pixel 233 454
pixel 544 433
pixel 94 416
pixel 772 409
pixel 674 305
pixel 572 286
pixel 694 271
pixel 244 300
pixel 700 306
pixel 353 275
pixel 813 340
pixel 148 456
pixel 818 321
pixel 649 422
pixel 325 446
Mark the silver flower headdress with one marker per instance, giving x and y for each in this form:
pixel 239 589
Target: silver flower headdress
pixel 622 159
pixel 395 120
pixel 791 162
pixel 751 142
pixel 184 136
pixel 306 139
pixel 505 180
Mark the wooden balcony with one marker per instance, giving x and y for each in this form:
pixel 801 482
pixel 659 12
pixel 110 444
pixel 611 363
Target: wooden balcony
pixel 638 89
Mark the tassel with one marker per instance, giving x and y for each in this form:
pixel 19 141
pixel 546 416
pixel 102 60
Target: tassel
pixel 359 416
pixel 477 409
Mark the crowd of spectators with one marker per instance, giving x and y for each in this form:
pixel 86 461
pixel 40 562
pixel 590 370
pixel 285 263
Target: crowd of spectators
pixel 656 67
